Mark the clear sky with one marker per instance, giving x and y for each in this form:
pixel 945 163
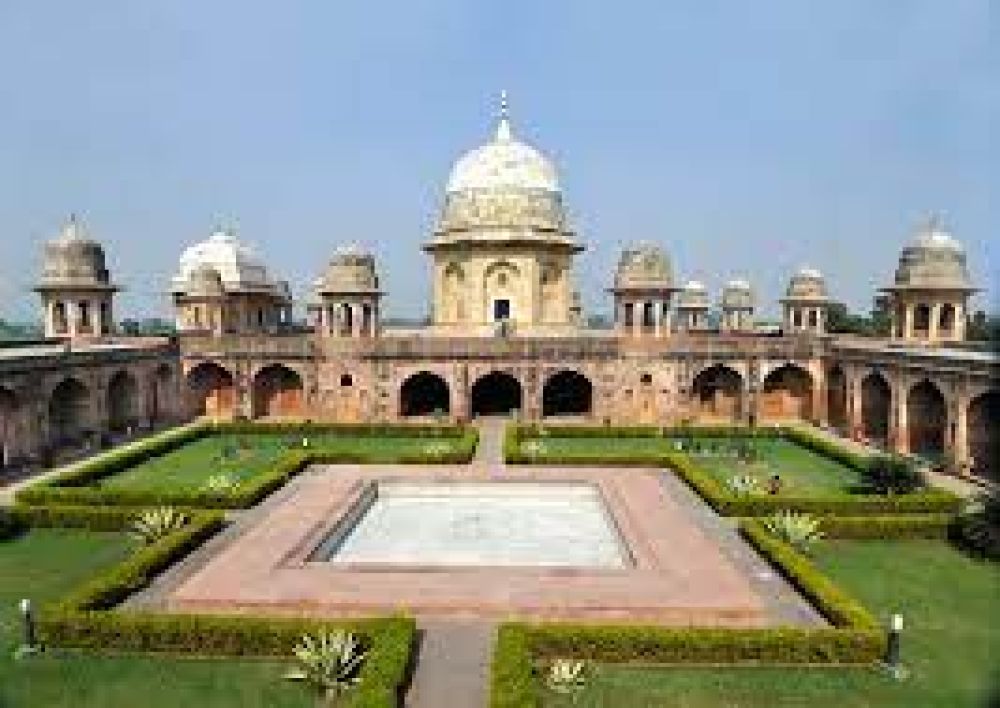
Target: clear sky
pixel 748 138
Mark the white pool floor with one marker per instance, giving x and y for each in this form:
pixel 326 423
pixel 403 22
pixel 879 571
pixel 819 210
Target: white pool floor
pixel 485 524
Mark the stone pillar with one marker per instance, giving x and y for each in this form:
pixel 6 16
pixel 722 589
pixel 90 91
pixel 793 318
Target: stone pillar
pixel 636 318
pixel 893 321
pixel 908 321
pixel 959 328
pixel 669 322
pixel 960 445
pixel 819 397
pixel 932 326
pixel 899 425
pixel 656 320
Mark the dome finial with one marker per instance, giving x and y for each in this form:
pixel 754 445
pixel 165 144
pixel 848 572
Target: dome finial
pixel 503 127
pixel 72 230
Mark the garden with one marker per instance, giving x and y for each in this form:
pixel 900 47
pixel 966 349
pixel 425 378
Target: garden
pixel 234 465
pixel 743 471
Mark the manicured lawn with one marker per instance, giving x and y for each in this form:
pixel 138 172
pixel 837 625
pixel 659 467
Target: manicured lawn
pixel 242 457
pixel 802 471
pixel 44 563
pixel 951 643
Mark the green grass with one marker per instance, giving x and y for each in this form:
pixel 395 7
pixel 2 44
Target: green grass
pixel 45 563
pixel 802 471
pixel 242 457
pixel 950 644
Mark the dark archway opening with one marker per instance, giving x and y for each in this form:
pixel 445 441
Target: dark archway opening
pixel 716 391
pixel 984 435
pixel 496 393
pixel 424 394
pixel 836 399
pixel 875 399
pixel 8 425
pixel 277 391
pixel 68 413
pixel 927 417
pixel 123 402
pixel 211 390
pixel 567 393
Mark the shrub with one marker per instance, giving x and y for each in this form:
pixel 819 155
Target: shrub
pixel 329 662
pixel 153 524
pixel 796 529
pixel 744 485
pixel 978 528
pixel 219 484
pixel 566 676
pixel 891 474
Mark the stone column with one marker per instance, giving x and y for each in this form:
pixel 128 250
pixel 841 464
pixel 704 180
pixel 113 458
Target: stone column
pixel 899 425
pixel 820 320
pixel 656 320
pixel 960 445
pixel 893 321
pixel 819 396
pixel 908 321
pixel 959 329
pixel 669 322
pixel 636 318
pixel 854 410
pixel 932 326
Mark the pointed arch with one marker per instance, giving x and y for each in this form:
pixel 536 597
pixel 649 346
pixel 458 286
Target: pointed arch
pixel 69 412
pixel 211 390
pixel 926 418
pixel 717 391
pixel 423 394
pixel 567 392
pixel 984 435
pixel 277 392
pixel 876 400
pixel 495 393
pixel 787 393
pixel 123 401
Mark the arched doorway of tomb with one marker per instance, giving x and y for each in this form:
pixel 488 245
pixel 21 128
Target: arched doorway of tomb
pixel 211 390
pixel 160 394
pixel 8 425
pixel 787 393
pixel 69 417
pixel 716 392
pixel 495 393
pixel 123 401
pixel 984 435
pixel 567 392
pixel 926 419
pixel 836 399
pixel 876 397
pixel 424 394
pixel 277 392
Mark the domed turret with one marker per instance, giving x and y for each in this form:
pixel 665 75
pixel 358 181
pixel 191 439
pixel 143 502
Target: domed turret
pixel 502 247
pixel 931 287
pixel 644 285
pixel 693 306
pixel 222 285
pixel 75 285
pixel 346 295
pixel 805 302
pixel 737 306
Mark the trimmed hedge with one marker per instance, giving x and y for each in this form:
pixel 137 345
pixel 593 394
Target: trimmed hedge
pixel 900 526
pixel 855 638
pixel 713 492
pixel 70 487
pixel 390 641
pixel 83 619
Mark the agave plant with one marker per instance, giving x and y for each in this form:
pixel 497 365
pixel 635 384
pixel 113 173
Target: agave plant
pixel 153 524
pixel 329 662
pixel 744 485
pixel 566 676
pixel 799 530
pixel 219 483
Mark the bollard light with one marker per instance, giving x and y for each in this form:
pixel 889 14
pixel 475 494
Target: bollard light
pixel 29 643
pixel 892 654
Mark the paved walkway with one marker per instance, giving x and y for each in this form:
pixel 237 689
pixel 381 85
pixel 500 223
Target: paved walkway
pixel 453 665
pixel 489 452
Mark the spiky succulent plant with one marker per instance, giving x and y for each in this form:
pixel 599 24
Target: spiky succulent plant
pixel 153 524
pixel 798 530
pixel 329 662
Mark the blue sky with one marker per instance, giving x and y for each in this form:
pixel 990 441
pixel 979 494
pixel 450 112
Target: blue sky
pixel 747 138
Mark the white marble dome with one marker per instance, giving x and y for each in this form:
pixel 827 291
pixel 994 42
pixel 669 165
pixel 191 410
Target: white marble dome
pixel 237 264
pixel 503 163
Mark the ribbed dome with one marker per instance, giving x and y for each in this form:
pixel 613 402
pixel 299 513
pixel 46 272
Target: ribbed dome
pixel 737 295
pixel 643 266
pixel 351 270
pixel 501 191
pixel 806 284
pixel 934 260
pixel 503 163
pixel 693 296
pixel 236 264
pixel 73 259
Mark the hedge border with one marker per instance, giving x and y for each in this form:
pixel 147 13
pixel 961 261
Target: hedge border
pixel 72 486
pixel 84 618
pixel 714 493
pixel 854 640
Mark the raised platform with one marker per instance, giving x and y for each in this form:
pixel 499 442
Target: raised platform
pixel 677 575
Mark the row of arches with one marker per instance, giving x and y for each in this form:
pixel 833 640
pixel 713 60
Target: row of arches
pixel 72 409
pixel 277 391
